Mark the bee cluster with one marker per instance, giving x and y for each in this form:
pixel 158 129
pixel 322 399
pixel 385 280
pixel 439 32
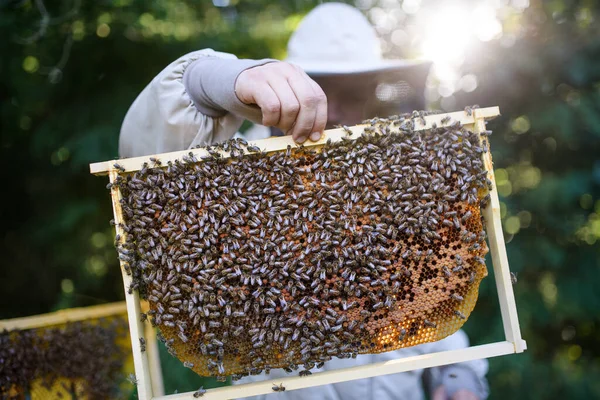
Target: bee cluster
pixel 79 360
pixel 276 260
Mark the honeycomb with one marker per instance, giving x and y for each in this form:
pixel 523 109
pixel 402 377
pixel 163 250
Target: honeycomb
pixel 79 360
pixel 285 259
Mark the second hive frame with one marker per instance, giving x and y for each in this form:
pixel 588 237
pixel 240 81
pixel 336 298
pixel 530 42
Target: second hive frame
pixel 82 314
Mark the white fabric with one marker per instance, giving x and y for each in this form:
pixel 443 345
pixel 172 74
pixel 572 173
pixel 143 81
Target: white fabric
pixel 335 38
pixel 403 386
pixel 163 118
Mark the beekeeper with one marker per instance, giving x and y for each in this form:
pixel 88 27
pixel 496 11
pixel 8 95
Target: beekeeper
pixel 333 75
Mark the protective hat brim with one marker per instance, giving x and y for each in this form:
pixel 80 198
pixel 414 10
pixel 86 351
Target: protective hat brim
pixel 317 68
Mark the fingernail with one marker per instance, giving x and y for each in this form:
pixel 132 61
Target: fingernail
pixel 315 136
pixel 301 139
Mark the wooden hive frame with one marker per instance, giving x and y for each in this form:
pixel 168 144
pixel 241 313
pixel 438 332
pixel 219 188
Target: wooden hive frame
pixel 83 314
pixel 513 343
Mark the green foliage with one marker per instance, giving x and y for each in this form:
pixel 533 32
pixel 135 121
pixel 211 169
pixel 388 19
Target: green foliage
pixel 546 85
pixel 64 94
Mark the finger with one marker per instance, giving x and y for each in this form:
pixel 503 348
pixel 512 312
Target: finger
pixel 308 107
pixel 321 114
pixel 289 106
pixel 269 105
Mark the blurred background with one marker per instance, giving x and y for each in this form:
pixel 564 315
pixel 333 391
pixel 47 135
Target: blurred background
pixel 69 69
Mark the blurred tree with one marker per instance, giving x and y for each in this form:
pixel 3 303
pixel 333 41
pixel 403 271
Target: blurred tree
pixel 546 148
pixel 69 71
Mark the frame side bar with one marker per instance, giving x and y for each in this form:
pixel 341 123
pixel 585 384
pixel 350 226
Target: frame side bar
pixel 281 143
pixel 158 388
pixel 491 213
pixel 136 330
pixel 353 373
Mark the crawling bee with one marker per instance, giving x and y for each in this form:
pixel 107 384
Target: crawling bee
pixel 513 277
pixel 119 167
pixel 278 388
pixel 456 297
pixel 131 378
pixel 305 373
pixel 459 314
pixel 200 392
pixel 142 344
pixel 402 335
pixel 429 324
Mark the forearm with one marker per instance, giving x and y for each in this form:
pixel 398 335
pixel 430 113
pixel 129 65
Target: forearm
pixel 164 117
pixel 210 83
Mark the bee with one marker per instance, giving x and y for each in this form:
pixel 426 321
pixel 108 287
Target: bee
pixel 402 335
pixel 119 167
pixel 305 373
pixel 456 297
pixel 142 344
pixel 278 388
pixel 131 378
pixel 200 392
pixel 466 216
pixel 459 314
pixel 513 277
pixel 429 324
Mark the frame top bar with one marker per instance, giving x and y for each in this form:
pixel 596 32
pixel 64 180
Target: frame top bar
pixel 281 143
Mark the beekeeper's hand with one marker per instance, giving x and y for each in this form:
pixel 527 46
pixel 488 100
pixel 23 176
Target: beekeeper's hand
pixel 288 98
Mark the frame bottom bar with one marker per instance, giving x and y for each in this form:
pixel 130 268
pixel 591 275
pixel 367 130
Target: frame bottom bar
pixel 359 372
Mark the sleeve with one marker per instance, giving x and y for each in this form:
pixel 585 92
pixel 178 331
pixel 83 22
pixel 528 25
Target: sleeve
pixel 210 82
pixel 468 375
pixel 164 117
